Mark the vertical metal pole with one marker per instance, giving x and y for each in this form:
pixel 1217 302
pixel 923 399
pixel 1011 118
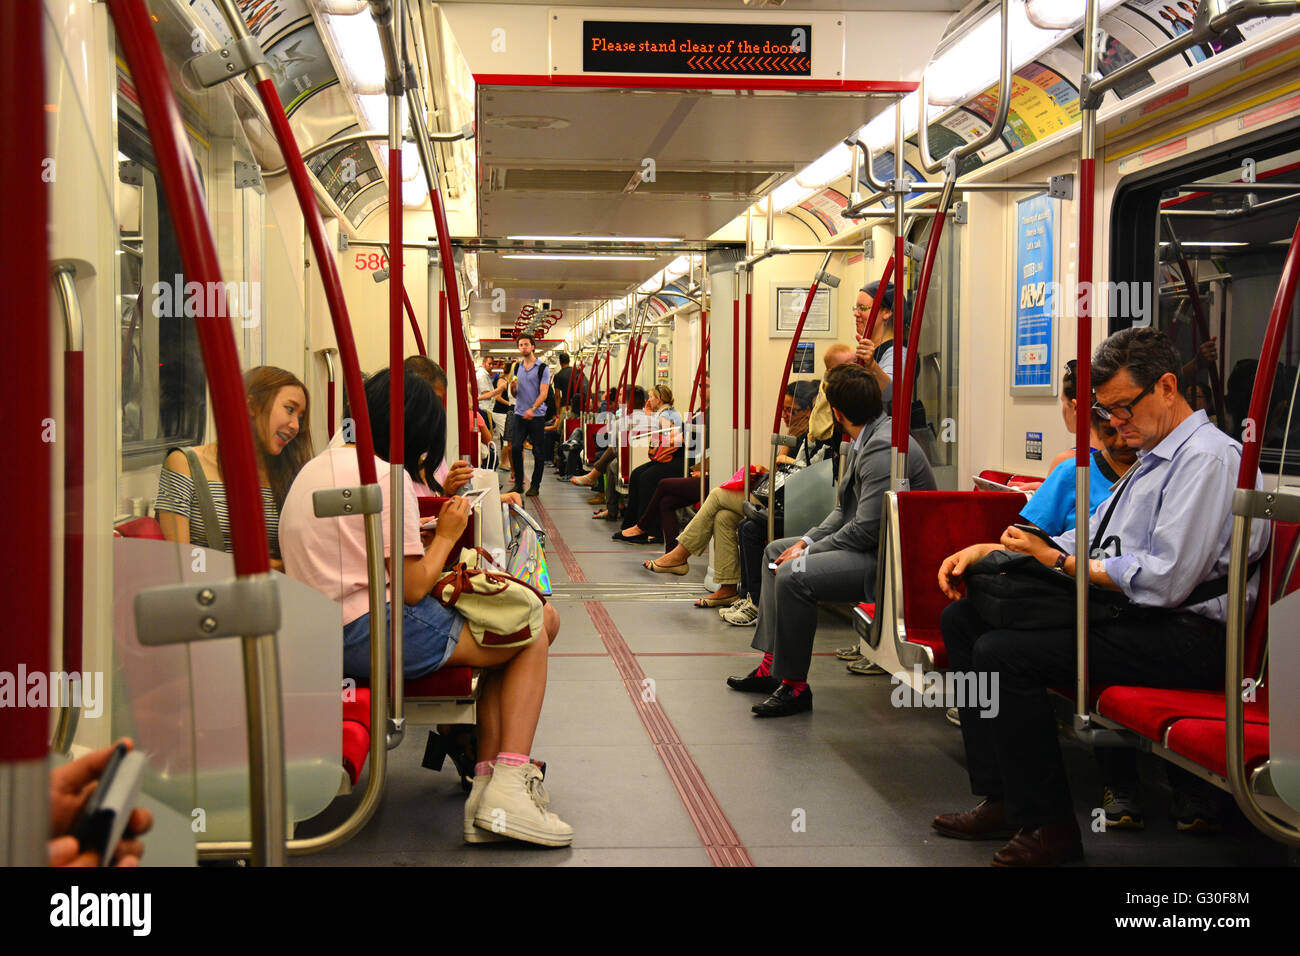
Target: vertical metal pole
pixel 1083 366
pixel 397 389
pixel 749 377
pixel 735 367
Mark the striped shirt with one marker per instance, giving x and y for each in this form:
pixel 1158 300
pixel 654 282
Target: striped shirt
pixel 176 494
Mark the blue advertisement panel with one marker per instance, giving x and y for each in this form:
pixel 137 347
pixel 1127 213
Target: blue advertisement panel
pixel 1033 343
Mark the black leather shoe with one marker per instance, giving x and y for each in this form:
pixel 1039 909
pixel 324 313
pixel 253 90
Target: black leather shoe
pixel 517 489
pixel 784 702
pixel 988 821
pixel 751 683
pixel 1049 845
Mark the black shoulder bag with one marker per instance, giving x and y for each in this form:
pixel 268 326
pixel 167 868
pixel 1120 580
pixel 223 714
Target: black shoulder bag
pixel 1018 592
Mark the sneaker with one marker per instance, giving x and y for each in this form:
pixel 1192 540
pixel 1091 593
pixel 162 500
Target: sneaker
pixel 475 834
pixel 744 613
pixel 954 717
pixel 1195 812
pixel 866 668
pixel 1123 812
pixel 849 653
pixel 514 804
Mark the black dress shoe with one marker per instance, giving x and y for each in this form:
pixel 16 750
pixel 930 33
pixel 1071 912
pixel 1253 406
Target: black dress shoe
pixel 784 702
pixel 641 538
pixel 751 683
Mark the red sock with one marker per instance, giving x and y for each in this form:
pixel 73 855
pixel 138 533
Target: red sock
pixel 511 760
pixel 483 768
pixel 764 669
pixel 798 686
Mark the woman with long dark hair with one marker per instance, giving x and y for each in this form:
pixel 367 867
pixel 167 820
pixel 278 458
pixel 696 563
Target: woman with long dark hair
pixel 188 502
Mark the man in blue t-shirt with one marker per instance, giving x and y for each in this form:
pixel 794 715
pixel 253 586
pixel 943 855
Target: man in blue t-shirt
pixel 1052 506
pixel 531 386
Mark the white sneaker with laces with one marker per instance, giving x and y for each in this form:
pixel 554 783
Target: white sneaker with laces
pixel 514 804
pixel 744 604
pixel 472 833
pixel 849 653
pixel 743 614
pixel 864 666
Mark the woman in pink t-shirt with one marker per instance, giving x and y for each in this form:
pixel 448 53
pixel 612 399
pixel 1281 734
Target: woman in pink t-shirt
pixel 330 555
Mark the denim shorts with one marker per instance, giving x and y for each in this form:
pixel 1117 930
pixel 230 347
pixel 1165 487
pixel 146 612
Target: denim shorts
pixel 429 635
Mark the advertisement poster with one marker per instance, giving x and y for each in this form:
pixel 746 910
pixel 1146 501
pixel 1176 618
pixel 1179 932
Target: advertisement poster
pixel 1034 335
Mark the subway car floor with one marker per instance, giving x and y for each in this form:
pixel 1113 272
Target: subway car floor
pixel 654 761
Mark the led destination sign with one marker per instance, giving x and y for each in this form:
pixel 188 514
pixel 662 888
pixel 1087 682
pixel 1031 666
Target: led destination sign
pixel 764 49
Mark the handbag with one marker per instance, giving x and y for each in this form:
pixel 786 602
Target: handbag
pixel 501 610
pixel 525 555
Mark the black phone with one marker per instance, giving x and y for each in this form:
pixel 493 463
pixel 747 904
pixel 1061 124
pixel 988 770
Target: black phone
pixel 103 819
pixel 1039 533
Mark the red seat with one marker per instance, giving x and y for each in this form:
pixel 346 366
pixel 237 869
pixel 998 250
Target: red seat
pixel 931 526
pixel 595 445
pixel 1204 742
pixel 1152 710
pixel 569 427
pixel 356 733
pixel 139 528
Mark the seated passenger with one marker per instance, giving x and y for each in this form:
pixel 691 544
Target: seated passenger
pixel 628 422
pixel 821 423
pixel 330 555
pixel 1168 535
pixel 667 454
pixel 280 411
pixel 830 562
pixel 437 477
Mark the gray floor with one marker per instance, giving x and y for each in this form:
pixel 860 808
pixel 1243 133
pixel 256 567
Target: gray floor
pixel 854 782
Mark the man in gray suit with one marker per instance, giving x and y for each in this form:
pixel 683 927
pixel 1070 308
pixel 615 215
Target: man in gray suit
pixel 833 560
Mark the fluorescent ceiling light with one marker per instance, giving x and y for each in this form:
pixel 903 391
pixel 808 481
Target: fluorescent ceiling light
pixel 790 193
pixel 1062 14
pixel 827 168
pixel 879 133
pixel 597 238
pixel 356 39
pixel 1206 244
pixel 412 168
pixel 678 267
pixel 582 257
pixel 374 112
pixel 414 192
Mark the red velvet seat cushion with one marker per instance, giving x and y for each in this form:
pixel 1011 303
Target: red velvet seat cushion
pixel 1150 710
pixel 447 682
pixel 1205 742
pixel 933 525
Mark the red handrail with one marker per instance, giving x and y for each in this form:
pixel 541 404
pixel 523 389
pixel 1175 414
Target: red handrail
pixel 442 328
pixel 699 374
pixel 903 399
pixel 1261 396
pixel 329 274
pixel 789 358
pixel 415 326
pixel 898 425
pixel 25 384
pixel 875 302
pixel 74 494
pixel 468 445
pixel 179 176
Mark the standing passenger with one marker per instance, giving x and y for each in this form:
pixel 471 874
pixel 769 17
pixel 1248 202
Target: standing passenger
pixel 531 386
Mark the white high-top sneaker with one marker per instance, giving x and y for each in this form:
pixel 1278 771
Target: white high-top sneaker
pixel 472 833
pixel 514 804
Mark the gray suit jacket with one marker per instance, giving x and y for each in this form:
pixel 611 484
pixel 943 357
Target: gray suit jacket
pixel 854 524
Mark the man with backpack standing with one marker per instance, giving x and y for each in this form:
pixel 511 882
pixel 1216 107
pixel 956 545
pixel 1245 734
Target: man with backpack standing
pixel 531 386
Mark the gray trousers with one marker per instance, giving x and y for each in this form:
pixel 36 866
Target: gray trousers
pixel 787 609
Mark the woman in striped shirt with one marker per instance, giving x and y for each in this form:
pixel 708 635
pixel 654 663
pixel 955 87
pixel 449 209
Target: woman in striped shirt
pixel 279 408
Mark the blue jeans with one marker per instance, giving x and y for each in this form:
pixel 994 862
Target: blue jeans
pixel 429 635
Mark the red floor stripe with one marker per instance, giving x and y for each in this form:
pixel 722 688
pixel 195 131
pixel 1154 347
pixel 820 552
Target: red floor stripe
pixel 720 840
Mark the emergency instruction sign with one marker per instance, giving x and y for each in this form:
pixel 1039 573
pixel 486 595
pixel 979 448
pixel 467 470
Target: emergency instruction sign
pixel 1034 339
pixel 749 49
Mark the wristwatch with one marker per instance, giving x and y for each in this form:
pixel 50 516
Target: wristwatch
pixel 1060 562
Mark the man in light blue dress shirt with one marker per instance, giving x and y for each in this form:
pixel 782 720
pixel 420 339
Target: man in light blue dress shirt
pixel 1168 535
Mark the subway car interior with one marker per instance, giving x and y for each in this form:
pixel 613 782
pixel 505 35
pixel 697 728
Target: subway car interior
pixel 606 311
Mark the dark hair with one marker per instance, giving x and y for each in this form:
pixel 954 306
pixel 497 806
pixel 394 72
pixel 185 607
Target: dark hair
pixel 564 358
pixel 852 391
pixel 805 394
pixel 262 385
pixel 887 301
pixel 638 396
pixel 427 369
pixel 789 389
pixel 1146 353
pixel 526 335
pixel 1068 387
pixel 424 424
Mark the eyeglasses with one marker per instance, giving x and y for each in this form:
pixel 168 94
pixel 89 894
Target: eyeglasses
pixel 1122 413
pixel 862 308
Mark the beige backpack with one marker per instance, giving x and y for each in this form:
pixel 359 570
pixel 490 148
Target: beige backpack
pixel 501 610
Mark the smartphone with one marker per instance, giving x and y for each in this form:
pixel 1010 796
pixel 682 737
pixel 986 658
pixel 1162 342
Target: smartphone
pixel 103 819
pixel 1038 533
